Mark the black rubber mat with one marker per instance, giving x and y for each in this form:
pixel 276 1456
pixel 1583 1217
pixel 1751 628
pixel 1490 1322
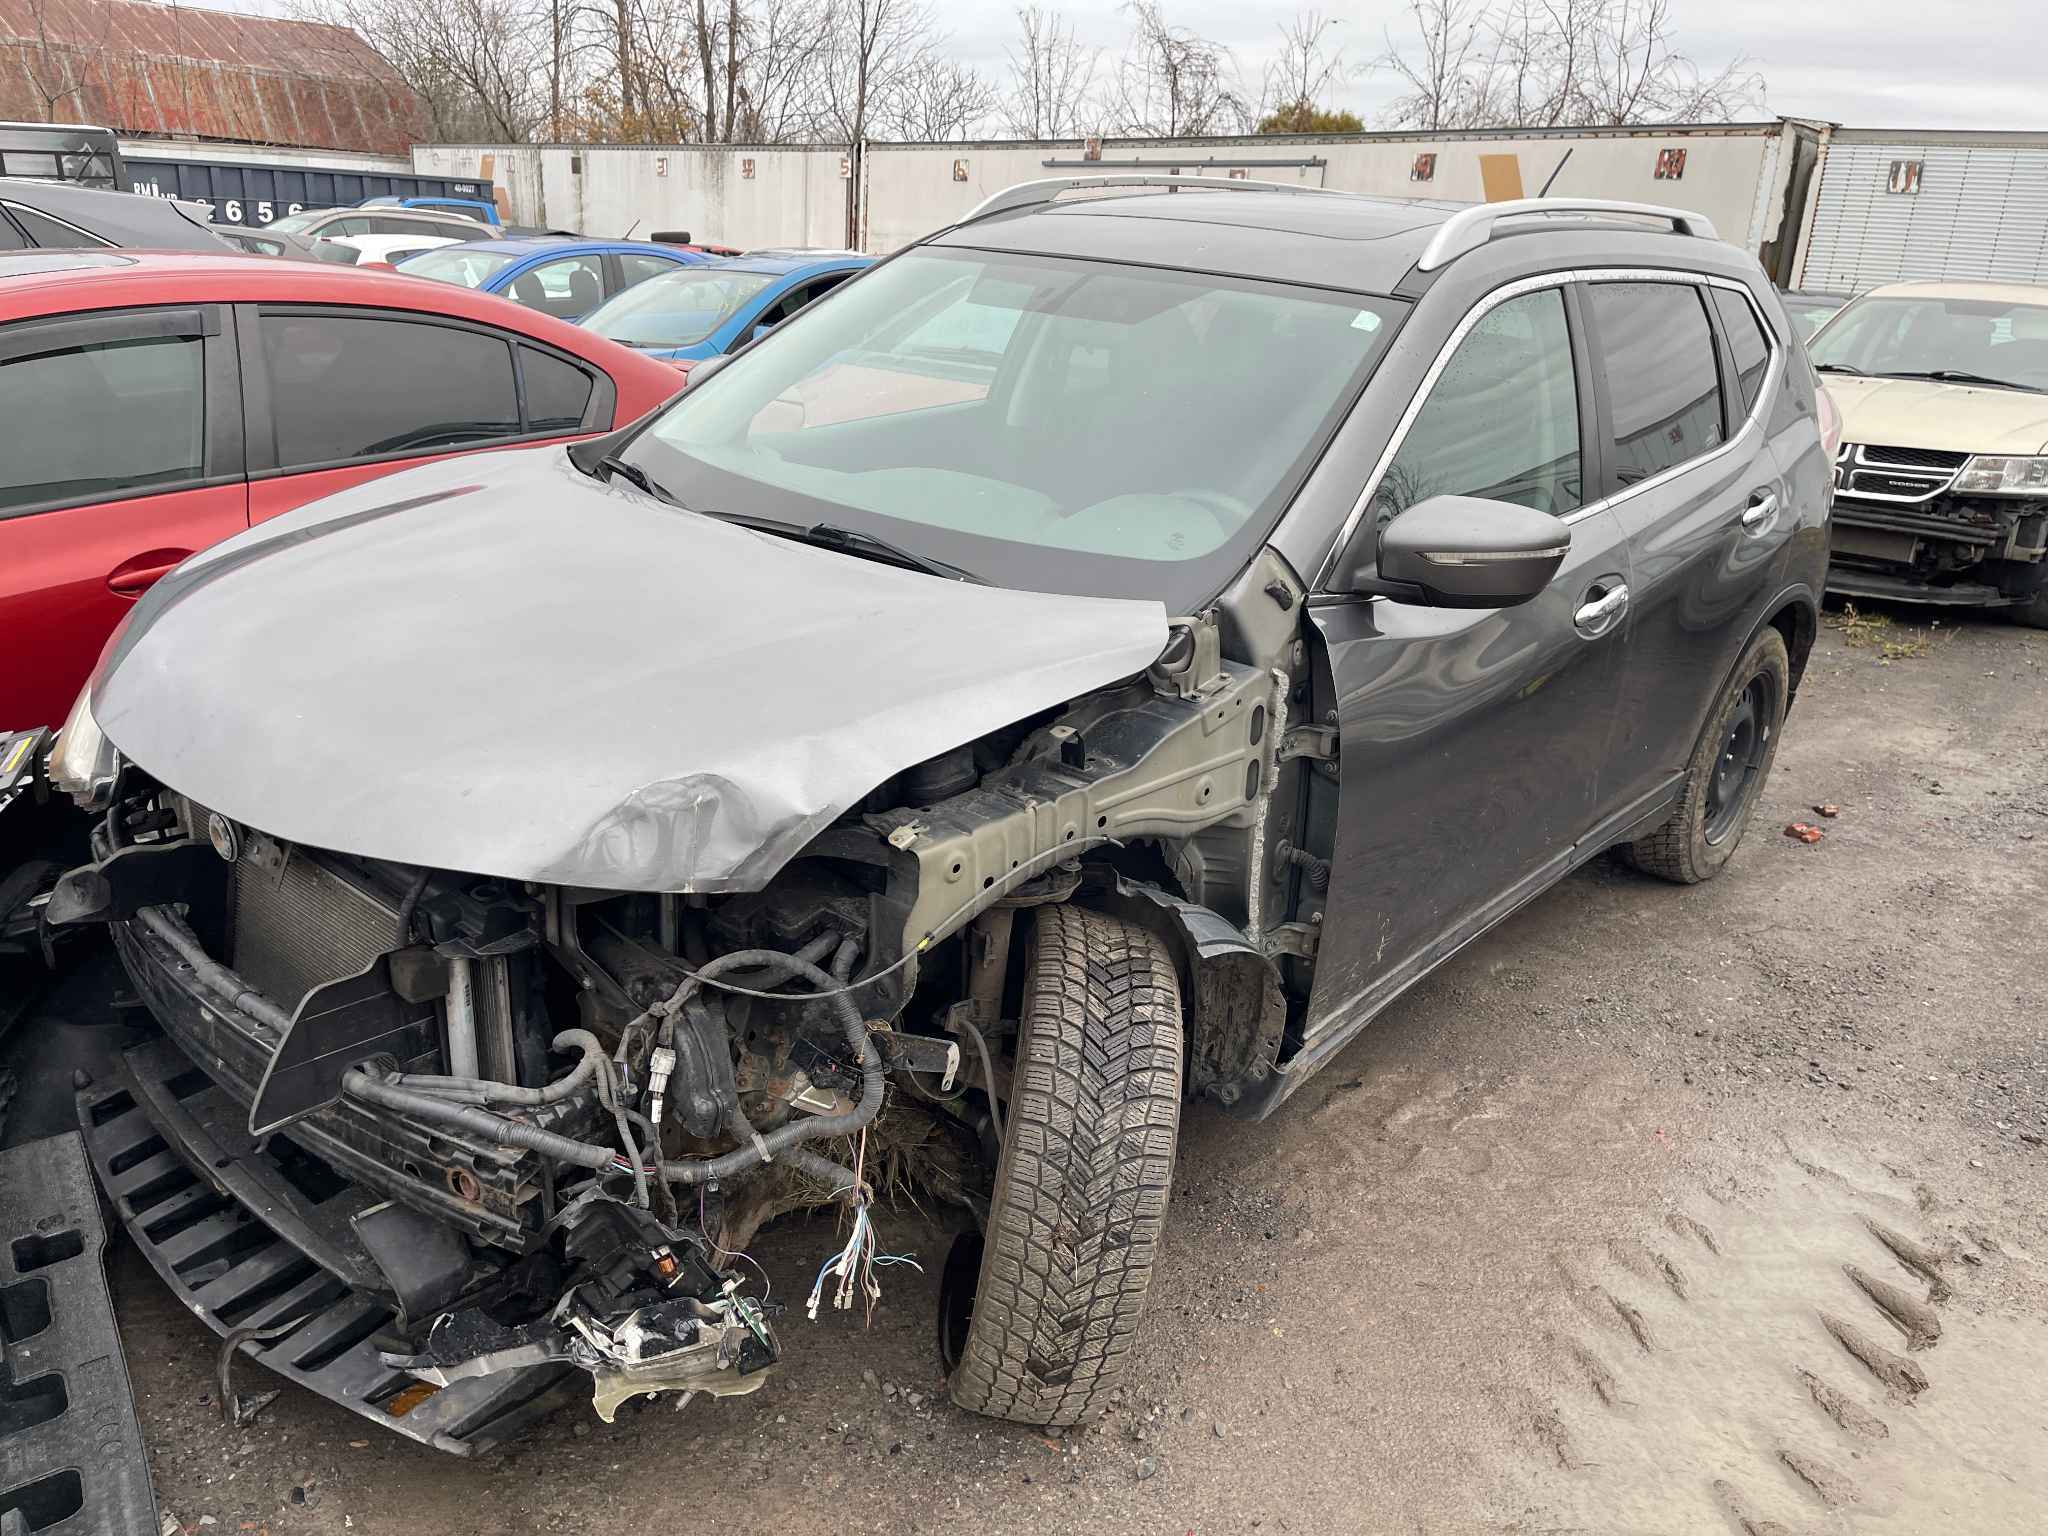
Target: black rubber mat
pixel 72 1461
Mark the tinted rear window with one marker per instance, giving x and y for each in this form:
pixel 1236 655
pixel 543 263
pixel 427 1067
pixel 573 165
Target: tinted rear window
pixel 50 233
pixel 1663 380
pixel 347 388
pixel 1746 340
pixel 557 393
pixel 108 420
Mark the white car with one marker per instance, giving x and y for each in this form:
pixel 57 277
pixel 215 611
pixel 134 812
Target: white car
pixel 390 249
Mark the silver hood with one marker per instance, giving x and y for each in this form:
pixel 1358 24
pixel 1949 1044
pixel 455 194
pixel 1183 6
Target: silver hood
pixel 498 665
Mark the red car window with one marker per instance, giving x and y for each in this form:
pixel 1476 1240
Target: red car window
pixel 345 387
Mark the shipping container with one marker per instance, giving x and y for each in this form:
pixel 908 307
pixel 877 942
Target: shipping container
pixel 254 186
pixel 1750 179
pixel 1891 206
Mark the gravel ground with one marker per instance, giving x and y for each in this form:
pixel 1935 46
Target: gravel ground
pixel 1713 1210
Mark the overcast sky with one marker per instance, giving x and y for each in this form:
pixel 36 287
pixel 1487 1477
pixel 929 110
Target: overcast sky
pixel 1864 63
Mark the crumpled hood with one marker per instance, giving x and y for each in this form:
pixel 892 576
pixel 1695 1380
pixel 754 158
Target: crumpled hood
pixel 1926 413
pixel 498 665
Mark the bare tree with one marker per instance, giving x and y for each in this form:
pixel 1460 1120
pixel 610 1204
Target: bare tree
pixel 937 98
pixel 1311 67
pixel 483 68
pixel 1172 82
pixel 1440 71
pixel 1557 63
pixel 1052 79
pixel 864 48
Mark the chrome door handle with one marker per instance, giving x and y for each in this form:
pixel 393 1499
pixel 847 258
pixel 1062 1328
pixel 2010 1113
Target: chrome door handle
pixel 1602 608
pixel 1762 510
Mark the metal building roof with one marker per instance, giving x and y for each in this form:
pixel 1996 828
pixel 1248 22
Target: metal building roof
pixel 142 68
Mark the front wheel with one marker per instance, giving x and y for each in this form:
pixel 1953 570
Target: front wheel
pixel 2032 610
pixel 1086 1167
pixel 1726 776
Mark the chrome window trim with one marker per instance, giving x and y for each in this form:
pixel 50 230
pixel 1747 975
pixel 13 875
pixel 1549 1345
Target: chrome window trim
pixel 1773 374
pixel 93 241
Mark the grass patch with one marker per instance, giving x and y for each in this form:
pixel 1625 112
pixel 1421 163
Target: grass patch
pixel 1892 642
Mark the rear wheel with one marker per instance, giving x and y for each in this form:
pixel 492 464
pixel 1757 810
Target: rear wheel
pixel 1726 777
pixel 1082 1183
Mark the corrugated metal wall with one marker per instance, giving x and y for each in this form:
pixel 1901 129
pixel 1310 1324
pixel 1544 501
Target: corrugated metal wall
pixel 188 70
pixel 1980 211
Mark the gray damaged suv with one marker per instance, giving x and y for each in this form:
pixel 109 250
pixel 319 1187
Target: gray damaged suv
pixel 1095 660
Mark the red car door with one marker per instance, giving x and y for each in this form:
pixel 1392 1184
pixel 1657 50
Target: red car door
pixel 347 395
pixel 123 433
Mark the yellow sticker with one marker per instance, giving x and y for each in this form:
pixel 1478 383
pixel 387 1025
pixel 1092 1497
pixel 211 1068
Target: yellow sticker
pixel 14 756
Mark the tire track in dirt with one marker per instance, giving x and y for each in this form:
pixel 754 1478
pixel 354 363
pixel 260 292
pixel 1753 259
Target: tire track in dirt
pixel 1716 1395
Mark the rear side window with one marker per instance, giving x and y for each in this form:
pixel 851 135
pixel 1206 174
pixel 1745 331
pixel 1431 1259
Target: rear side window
pixel 557 393
pixel 1663 379
pixel 566 289
pixel 343 387
pixel 1502 419
pixel 102 421
pixel 637 267
pixel 51 234
pixel 1746 340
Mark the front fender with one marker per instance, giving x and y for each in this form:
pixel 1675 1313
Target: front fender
pixel 1230 992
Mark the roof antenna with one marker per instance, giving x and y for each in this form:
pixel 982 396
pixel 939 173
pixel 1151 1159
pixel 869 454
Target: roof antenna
pixel 636 223
pixel 1553 174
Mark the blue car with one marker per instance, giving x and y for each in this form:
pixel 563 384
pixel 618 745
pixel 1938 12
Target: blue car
pixel 720 305
pixel 481 209
pixel 564 278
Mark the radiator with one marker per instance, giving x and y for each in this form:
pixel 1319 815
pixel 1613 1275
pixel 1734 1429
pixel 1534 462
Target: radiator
pixel 294 923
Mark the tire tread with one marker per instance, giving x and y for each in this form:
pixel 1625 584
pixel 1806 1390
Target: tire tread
pixel 1085 1172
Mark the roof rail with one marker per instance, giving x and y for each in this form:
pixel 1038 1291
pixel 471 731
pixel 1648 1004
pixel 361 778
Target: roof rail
pixel 1033 194
pixel 1470 228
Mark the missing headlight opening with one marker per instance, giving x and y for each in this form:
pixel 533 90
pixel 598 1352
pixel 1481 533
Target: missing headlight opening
pixel 560 1114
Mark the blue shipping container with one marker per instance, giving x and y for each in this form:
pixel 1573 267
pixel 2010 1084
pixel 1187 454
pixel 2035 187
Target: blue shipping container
pixel 254 195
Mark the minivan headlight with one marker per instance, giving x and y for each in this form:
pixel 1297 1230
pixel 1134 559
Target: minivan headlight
pixel 1988 476
pixel 83 763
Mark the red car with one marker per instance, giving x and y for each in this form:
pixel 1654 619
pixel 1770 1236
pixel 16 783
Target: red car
pixel 153 404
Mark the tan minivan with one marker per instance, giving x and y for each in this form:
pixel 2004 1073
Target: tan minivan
pixel 1941 483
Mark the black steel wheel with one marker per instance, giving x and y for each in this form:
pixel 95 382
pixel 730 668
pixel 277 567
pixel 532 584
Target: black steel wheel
pixel 1725 779
pixel 1747 741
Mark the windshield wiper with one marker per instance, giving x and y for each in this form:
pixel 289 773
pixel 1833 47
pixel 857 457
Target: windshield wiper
pixel 1839 368
pixel 858 541
pixel 611 464
pixel 1964 376
pixel 851 541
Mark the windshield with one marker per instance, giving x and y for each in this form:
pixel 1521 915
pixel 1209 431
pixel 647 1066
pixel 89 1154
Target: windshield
pixel 676 309
pixel 1048 423
pixel 296 223
pixel 457 264
pixel 1809 314
pixel 1990 338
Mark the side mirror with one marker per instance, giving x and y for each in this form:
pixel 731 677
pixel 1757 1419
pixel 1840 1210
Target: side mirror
pixel 1457 552
pixel 700 371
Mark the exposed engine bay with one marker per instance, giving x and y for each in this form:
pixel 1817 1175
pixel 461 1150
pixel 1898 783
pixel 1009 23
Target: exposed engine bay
pixel 1902 527
pixel 570 1110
